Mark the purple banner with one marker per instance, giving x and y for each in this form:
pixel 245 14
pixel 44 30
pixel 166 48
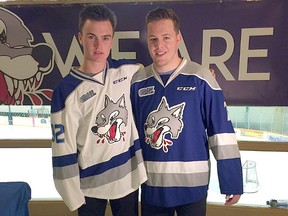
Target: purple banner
pixel 245 42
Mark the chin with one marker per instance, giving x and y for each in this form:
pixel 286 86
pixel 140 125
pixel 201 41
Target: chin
pixel 159 63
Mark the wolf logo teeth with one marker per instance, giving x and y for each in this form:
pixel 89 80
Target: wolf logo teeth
pixel 162 121
pixel 109 121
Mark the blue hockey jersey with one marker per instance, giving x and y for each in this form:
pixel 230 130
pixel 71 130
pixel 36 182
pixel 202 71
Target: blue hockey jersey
pixel 177 123
pixel 95 147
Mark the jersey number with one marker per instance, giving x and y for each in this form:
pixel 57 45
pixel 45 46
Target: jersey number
pixel 57 133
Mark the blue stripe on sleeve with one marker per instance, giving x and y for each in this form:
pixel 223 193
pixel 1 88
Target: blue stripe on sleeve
pixel 66 160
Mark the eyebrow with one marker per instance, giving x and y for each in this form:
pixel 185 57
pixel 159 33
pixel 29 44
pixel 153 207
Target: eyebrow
pixel 107 35
pixel 166 34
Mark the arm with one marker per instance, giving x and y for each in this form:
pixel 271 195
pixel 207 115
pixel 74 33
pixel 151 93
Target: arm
pixel 64 152
pixel 224 146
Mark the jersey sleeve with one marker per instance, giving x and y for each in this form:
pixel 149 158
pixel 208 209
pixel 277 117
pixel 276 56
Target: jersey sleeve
pixel 64 124
pixel 223 142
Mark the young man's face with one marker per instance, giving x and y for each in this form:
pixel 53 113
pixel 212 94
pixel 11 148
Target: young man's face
pixel 163 44
pixel 96 39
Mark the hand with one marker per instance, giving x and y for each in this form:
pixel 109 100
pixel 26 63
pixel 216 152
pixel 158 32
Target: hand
pixel 232 199
pixel 213 72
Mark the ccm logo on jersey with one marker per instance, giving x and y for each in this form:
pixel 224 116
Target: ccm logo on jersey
pixel 186 88
pixel 146 91
pixel 119 80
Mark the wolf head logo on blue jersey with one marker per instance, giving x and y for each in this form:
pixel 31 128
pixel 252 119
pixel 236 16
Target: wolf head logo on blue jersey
pixel 110 119
pixel 162 121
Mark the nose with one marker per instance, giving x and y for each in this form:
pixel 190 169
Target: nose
pixel 96 42
pixel 158 44
pixel 94 129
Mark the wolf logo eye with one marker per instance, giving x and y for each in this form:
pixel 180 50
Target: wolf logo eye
pixel 103 118
pixel 114 115
pixel 153 120
pixel 164 120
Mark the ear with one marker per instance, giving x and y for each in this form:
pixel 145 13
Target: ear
pixel 178 111
pixel 80 38
pixel 178 38
pixel 112 42
pixel 121 101
pixel 163 103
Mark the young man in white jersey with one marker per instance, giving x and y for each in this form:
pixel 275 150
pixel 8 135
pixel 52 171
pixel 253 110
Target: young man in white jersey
pixel 95 147
pixel 180 112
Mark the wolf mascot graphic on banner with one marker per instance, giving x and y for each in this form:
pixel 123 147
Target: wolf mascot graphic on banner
pixel 22 65
pixel 162 121
pixel 109 121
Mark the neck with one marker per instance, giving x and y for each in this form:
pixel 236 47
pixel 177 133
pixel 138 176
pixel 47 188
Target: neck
pixel 92 67
pixel 169 67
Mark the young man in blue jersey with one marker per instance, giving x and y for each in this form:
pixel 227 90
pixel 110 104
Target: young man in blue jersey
pixel 180 113
pixel 95 146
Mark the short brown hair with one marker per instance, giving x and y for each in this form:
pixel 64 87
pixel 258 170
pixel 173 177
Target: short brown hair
pixel 163 13
pixel 97 12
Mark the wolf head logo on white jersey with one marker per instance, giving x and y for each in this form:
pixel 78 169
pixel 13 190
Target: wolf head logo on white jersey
pixel 110 119
pixel 162 121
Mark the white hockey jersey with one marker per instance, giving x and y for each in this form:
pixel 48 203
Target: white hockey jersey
pixel 95 145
